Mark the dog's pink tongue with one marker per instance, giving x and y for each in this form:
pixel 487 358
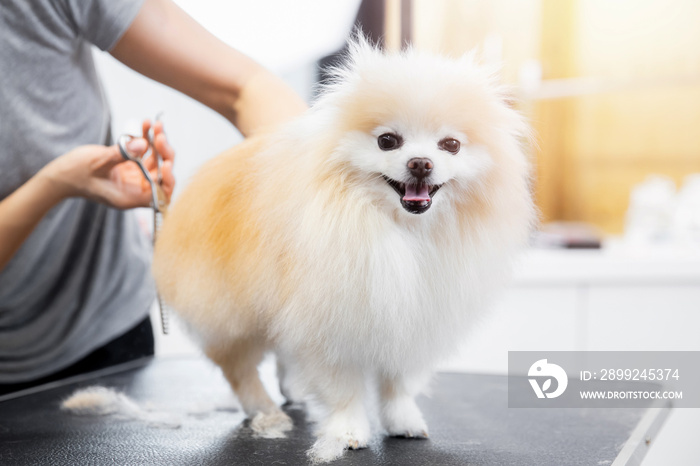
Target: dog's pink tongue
pixel 416 192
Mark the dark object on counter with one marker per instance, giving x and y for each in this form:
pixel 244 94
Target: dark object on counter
pixel 567 235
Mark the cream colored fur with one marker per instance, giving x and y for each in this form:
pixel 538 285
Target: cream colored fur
pixel 101 401
pixel 294 242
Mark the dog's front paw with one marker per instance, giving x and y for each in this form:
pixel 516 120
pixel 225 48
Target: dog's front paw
pixel 402 418
pixel 342 432
pixel 271 425
pixel 329 448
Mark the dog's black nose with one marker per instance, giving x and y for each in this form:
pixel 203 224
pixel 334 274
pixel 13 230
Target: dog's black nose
pixel 420 167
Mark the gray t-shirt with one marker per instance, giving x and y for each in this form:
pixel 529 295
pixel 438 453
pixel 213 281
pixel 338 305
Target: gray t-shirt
pixel 82 278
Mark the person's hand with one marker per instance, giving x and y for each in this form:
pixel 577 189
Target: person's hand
pixel 100 173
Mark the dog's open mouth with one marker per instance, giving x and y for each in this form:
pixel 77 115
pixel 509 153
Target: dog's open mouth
pixel 416 197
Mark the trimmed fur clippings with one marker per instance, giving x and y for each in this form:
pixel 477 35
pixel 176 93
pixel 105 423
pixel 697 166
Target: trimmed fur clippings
pixel 101 401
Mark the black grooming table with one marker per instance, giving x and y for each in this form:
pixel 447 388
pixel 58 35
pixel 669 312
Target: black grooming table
pixel 468 418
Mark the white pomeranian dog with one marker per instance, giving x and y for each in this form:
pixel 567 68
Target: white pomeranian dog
pixel 359 242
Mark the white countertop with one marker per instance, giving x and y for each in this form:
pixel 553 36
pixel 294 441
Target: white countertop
pixel 614 264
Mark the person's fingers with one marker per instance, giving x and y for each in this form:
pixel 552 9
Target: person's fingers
pixel 121 200
pixel 166 152
pixel 107 157
pixel 160 141
pixel 158 127
pixel 110 155
pixel 164 148
pixel 149 162
pixel 122 190
pixel 145 127
pixel 167 155
pixel 136 147
pixel 168 179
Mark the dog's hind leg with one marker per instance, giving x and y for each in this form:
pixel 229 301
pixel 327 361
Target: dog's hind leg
pixel 283 379
pixel 287 388
pixel 239 362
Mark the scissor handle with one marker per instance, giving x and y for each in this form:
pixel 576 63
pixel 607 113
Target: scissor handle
pixel 122 142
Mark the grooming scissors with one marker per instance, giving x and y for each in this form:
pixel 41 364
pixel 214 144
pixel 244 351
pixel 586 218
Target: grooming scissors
pixel 158 199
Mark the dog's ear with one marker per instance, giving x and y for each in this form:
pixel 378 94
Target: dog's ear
pixel 359 40
pixel 492 73
pixel 360 50
pixel 359 53
pixel 489 73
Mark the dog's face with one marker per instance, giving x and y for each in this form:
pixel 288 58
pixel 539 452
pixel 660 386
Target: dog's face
pixel 422 129
pixel 417 162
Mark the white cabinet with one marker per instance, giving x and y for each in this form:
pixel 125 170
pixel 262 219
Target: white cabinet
pixel 662 317
pixel 525 319
pixel 609 299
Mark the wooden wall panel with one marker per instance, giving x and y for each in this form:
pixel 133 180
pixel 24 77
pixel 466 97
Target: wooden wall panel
pixel 602 144
pixel 638 112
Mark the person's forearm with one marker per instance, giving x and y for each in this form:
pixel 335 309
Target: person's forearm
pixel 21 211
pixel 265 101
pixel 167 45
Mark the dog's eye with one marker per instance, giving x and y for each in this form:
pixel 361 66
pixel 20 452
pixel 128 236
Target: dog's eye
pixel 389 141
pixel 450 145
